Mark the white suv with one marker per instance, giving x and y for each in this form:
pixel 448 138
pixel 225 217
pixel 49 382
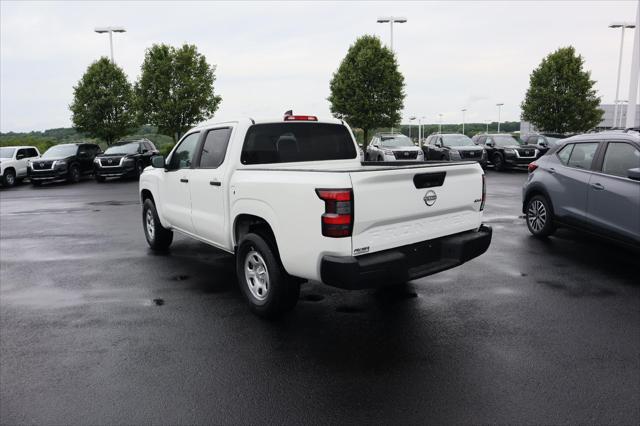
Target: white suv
pixel 13 162
pixel 392 147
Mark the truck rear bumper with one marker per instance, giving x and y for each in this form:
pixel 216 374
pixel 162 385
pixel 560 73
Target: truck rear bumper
pixel 405 263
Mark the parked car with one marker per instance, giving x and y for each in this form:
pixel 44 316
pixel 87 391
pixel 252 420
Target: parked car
pixel 453 147
pixel 591 182
pixel 67 162
pixel 13 163
pixel 292 201
pixel 544 141
pixel 504 151
pixel 127 158
pixel 392 147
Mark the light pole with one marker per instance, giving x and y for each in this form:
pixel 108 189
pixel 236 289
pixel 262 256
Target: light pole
pixel 463 111
pixel 439 123
pixel 499 108
pixel 110 30
pixel 619 102
pixel 410 125
pixel 487 122
pixel 391 20
pixel 622 26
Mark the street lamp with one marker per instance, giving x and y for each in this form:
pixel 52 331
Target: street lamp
pixel 419 128
pixel 618 122
pixel 410 125
pixel 487 122
pixel 622 26
pixel 499 107
pixel 463 111
pixel 391 20
pixel 439 123
pixel 110 30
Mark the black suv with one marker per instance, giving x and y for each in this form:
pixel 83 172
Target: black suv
pixel 68 161
pixel 126 158
pixel 453 147
pixel 544 141
pixel 504 151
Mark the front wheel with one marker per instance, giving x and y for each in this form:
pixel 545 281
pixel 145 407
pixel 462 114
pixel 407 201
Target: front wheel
pixel 158 237
pixel 139 168
pixel 74 174
pixel 9 178
pixel 498 162
pixel 539 216
pixel 266 286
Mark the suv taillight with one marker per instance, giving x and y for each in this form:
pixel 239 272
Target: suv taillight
pixel 484 192
pixel 532 166
pixel 337 220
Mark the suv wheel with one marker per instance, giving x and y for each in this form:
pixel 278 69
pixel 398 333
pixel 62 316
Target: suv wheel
pixel 158 237
pixel 539 216
pixel 9 178
pixel 74 174
pixel 266 286
pixel 498 162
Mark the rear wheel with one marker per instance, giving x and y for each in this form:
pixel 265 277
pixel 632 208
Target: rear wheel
pixel 539 216
pixel 380 158
pixel 266 286
pixel 74 174
pixel 498 162
pixel 9 178
pixel 158 237
pixel 139 168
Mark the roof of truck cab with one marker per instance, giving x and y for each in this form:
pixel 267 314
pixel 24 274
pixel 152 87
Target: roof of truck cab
pixel 267 120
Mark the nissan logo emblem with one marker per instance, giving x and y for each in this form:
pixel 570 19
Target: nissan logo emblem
pixel 110 161
pixel 430 198
pixel 406 154
pixel 41 164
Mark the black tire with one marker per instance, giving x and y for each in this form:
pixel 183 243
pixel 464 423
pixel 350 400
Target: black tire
pixel 380 158
pixel 100 179
pixel 366 157
pixel 498 162
pixel 539 216
pixel 9 178
pixel 158 237
pixel 280 292
pixel 73 175
pixel 139 168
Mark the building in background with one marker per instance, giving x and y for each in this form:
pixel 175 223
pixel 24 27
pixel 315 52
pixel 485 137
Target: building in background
pixel 606 123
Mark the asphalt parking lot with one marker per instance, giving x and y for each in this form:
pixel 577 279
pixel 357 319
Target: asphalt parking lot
pixel 95 329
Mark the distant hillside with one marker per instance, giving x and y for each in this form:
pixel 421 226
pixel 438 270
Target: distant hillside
pixel 47 138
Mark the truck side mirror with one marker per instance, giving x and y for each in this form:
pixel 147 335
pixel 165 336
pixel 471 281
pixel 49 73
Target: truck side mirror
pixel 634 174
pixel 20 156
pixel 439 144
pixel 158 162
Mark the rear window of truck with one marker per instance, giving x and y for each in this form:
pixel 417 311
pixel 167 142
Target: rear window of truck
pixel 294 142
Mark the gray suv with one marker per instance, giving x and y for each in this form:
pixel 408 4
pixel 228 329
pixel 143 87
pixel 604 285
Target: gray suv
pixel 591 182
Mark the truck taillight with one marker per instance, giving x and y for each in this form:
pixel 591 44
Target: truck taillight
pixel 484 193
pixel 337 220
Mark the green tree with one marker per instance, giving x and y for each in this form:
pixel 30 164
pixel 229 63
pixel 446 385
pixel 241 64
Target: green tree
pixel 561 97
pixel 102 104
pixel 367 90
pixel 175 89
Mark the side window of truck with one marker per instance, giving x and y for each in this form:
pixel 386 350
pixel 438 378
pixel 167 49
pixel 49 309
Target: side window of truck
pixel 182 156
pixel 214 148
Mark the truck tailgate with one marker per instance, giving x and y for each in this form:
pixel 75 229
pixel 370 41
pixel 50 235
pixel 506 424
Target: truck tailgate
pixel 397 207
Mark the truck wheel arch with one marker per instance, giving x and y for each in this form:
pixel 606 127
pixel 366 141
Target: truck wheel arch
pixel 247 223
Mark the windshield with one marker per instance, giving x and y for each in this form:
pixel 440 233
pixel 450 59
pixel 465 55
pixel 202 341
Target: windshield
pixel 396 141
pixel 7 152
pixel 293 142
pixel 129 148
pixel 60 151
pixel 457 140
pixel 505 140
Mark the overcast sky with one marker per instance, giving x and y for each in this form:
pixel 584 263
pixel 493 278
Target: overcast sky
pixel 271 57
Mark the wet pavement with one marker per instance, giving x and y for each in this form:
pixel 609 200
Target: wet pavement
pixel 96 329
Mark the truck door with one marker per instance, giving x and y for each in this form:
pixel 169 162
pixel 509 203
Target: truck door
pixel 176 196
pixel 208 189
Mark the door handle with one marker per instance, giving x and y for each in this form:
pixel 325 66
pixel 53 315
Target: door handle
pixel 597 186
pixel 215 183
pixel 184 180
pixel 552 170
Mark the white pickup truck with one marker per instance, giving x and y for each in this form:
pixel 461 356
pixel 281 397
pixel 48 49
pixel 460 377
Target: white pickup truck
pixel 291 199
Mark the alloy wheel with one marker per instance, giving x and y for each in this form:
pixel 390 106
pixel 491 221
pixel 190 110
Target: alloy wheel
pixel 537 216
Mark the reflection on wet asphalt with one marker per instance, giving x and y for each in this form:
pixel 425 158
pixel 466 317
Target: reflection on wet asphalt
pixel 97 329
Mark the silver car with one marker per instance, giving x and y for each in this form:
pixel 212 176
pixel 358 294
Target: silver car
pixel 591 182
pixel 392 147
